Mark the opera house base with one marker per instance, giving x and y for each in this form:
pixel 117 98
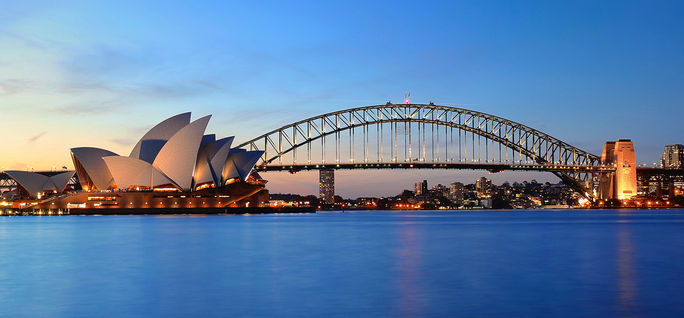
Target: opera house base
pixel 198 211
pixel 236 198
pixel 153 211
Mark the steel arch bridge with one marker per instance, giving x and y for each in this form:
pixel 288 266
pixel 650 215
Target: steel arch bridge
pixel 406 136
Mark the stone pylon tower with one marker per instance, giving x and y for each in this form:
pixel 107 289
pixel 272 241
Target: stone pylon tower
pixel 622 183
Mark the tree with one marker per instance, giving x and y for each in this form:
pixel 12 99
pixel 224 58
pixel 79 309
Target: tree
pixel 313 200
pixel 407 194
pixel 678 200
pixel 499 203
pixel 384 204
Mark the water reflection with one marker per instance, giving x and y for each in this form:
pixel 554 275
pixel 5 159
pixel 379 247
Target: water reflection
pixel 626 273
pixel 410 302
pixel 370 264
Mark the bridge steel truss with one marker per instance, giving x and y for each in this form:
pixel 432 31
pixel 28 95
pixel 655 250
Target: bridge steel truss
pixel 6 183
pixel 539 151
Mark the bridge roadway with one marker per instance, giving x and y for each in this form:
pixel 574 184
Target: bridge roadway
pixel 492 167
pixel 670 172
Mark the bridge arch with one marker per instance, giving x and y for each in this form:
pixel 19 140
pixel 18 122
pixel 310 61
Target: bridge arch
pixel 532 144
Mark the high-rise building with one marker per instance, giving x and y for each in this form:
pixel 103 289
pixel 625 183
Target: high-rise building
pixel 421 188
pixel 456 191
pixel 439 190
pixel 483 186
pixel 673 157
pixel 326 186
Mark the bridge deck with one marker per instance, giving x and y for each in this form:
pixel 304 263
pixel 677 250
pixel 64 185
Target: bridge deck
pixel 493 167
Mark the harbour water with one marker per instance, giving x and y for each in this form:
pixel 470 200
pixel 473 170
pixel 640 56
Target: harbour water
pixel 355 264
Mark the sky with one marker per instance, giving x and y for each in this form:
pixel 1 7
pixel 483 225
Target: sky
pixel 87 73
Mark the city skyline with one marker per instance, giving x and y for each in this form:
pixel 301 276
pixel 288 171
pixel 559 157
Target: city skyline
pixel 583 72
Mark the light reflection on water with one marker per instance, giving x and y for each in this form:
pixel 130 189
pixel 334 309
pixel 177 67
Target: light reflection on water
pixel 627 284
pixel 392 264
pixel 409 278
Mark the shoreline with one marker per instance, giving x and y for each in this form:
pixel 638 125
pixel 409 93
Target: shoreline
pixel 163 211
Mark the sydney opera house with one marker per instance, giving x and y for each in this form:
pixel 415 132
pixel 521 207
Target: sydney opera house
pixel 175 165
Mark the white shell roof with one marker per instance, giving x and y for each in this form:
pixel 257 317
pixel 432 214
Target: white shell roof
pixel 211 160
pixel 175 151
pixel 203 169
pixel 49 186
pixel 130 172
pixel 61 180
pixel 178 156
pixel 91 160
pixel 240 164
pixel 152 142
pixel 207 139
pixel 218 161
pixel 30 181
pixel 35 183
pixel 230 169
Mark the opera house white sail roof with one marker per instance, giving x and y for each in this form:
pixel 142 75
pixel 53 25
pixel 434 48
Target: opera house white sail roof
pixel 130 172
pixel 36 183
pixel 178 157
pixel 174 153
pixel 151 143
pixel 92 170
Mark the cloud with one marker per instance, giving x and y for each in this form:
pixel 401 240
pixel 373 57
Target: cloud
pixel 76 80
pixel 100 61
pixel 208 83
pixel 89 108
pixel 13 86
pixel 36 137
pixel 6 90
pixel 102 98
pixel 175 90
pixel 123 141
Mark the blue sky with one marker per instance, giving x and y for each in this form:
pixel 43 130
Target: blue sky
pixel 101 73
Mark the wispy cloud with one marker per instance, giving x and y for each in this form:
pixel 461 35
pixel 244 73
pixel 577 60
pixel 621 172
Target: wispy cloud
pixel 34 138
pixel 14 86
pixel 89 108
pixel 108 98
pixel 123 141
pixel 210 84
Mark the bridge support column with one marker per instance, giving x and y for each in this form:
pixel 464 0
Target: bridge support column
pixel 621 184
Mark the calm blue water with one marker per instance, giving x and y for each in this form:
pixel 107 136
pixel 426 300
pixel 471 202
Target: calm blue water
pixel 372 264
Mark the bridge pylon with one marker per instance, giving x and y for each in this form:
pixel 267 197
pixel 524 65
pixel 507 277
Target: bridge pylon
pixel 620 184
